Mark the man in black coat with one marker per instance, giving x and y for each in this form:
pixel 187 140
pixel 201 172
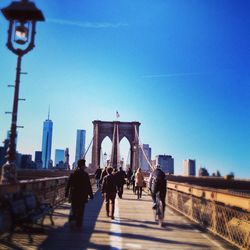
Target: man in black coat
pixel 109 188
pixel 98 173
pixel 79 189
pixel 120 179
pixel 158 183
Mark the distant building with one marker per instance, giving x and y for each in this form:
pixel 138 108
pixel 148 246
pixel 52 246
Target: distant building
pixel 142 160
pixel 153 163
pixel 189 167
pixel 38 159
pixel 47 142
pixel 26 162
pixel 203 172
pixel 66 159
pixel 80 144
pixel 50 164
pixel 59 156
pixel 166 162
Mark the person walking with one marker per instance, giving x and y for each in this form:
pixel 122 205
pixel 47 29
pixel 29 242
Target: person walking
pixel 157 183
pixel 133 181
pixel 103 174
pixel 129 175
pixel 78 189
pixel 98 173
pixel 109 188
pixel 120 178
pixel 139 182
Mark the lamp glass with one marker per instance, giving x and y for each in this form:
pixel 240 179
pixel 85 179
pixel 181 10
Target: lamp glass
pixel 21 33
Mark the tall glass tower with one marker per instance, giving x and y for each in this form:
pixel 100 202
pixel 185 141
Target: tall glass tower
pixel 80 144
pixel 59 156
pixel 47 142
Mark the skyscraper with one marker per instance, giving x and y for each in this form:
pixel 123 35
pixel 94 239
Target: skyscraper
pixel 38 159
pixel 47 141
pixel 189 167
pixel 166 162
pixel 66 159
pixel 80 144
pixel 143 162
pixel 59 156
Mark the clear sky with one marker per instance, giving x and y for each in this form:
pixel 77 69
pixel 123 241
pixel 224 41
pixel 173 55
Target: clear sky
pixel 181 68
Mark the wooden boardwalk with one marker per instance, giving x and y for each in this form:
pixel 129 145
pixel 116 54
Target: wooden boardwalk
pixel 132 228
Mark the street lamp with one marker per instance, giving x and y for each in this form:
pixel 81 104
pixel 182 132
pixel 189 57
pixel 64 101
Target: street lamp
pixel 22 17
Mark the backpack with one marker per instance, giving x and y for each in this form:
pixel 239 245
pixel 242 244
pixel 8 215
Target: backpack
pixel 158 181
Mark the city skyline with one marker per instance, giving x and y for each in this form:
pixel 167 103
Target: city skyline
pixel 185 79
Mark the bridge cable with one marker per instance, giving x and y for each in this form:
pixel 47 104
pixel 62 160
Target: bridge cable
pixel 88 148
pixel 141 146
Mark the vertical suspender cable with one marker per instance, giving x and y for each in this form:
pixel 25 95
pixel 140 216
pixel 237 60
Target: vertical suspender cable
pixel 113 148
pixel 118 146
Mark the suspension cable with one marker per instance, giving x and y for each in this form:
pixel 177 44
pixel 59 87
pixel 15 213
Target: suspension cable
pixel 88 148
pixel 141 146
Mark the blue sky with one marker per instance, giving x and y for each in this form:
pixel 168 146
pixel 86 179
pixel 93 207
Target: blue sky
pixel 181 68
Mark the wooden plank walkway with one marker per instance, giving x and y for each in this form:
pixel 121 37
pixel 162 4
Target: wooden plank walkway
pixel 132 228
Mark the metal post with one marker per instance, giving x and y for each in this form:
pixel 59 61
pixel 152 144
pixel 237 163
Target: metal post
pixel 9 168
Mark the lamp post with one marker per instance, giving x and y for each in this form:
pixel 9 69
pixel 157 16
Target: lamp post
pixel 22 17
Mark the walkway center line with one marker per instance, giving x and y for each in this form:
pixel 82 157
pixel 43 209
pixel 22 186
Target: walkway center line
pixel 115 230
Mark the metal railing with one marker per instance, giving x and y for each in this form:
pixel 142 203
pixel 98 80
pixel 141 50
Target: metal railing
pixel 230 223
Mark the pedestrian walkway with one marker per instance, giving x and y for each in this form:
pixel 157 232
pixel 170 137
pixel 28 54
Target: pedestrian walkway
pixel 133 228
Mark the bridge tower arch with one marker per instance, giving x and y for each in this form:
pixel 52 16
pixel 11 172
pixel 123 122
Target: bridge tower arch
pixel 116 131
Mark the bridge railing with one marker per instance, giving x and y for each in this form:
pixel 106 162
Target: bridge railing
pixel 223 213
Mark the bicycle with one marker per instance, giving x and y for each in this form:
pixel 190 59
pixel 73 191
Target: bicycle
pixel 159 213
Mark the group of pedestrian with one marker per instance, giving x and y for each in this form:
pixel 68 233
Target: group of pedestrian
pixel 111 182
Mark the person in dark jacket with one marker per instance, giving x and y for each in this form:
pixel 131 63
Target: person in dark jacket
pixel 158 183
pixel 109 187
pixel 129 175
pixel 120 178
pixel 98 173
pixel 78 189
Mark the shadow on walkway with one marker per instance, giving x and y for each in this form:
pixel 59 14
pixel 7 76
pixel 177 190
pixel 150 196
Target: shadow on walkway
pixel 66 237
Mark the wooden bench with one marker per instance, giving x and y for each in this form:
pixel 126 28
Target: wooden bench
pixel 25 209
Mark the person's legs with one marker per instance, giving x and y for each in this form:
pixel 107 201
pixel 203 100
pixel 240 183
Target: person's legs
pixel 153 195
pixel 79 214
pixel 72 215
pixel 119 191
pixel 122 190
pixel 112 207
pixel 163 197
pixel 140 191
pixel 107 204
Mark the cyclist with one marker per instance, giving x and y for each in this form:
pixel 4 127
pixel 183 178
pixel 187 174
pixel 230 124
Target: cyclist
pixel 157 183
